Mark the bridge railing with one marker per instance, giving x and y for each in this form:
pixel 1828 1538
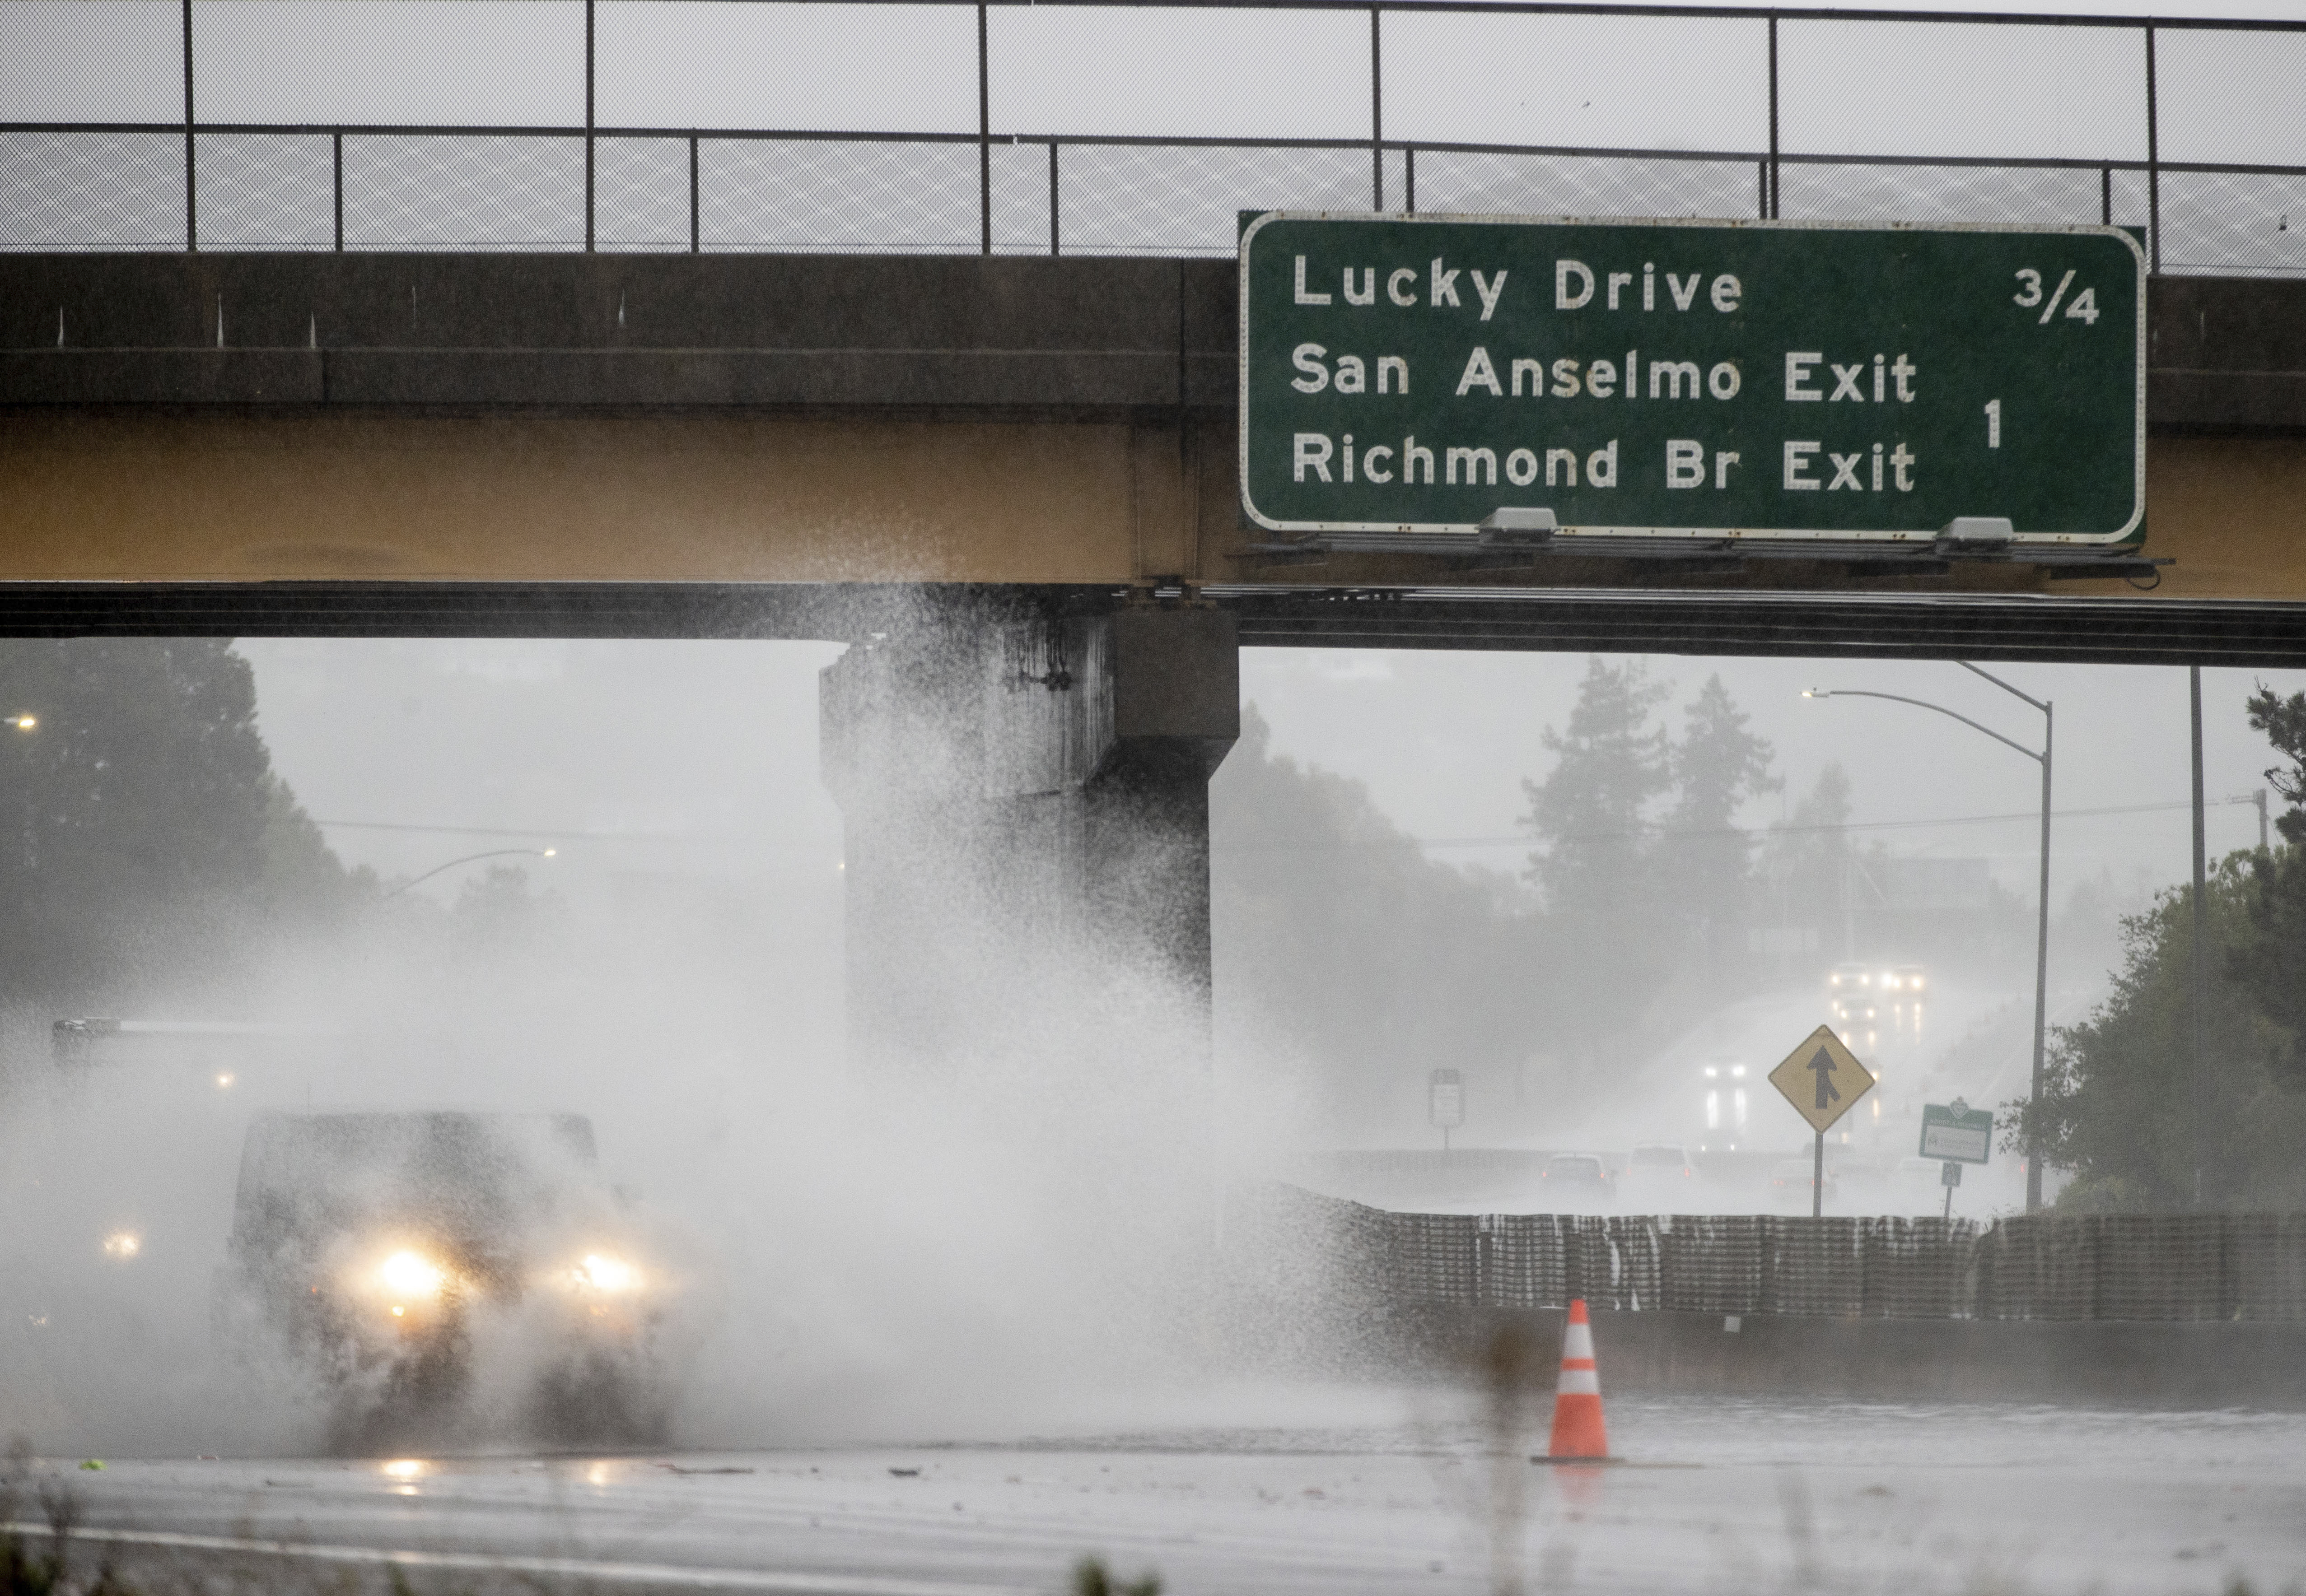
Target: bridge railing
pixel 1005 126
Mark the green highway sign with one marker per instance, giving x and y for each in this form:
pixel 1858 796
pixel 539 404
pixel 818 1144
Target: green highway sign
pixel 1420 375
pixel 1957 1133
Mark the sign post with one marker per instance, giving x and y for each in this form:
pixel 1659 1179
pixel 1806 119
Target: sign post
pixel 1446 1103
pixel 1957 1134
pixel 1534 379
pixel 1823 1080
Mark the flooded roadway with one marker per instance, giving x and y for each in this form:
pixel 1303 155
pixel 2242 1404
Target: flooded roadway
pixel 1356 1490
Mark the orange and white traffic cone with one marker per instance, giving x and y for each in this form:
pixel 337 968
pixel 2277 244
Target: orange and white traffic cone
pixel 1578 1431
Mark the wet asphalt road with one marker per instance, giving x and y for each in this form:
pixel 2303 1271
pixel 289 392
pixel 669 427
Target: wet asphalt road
pixel 1395 1491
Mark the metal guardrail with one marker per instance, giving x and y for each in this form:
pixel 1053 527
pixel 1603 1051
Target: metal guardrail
pixel 2185 1266
pixel 591 184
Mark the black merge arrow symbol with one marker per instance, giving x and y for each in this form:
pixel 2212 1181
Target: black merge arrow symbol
pixel 1824 1066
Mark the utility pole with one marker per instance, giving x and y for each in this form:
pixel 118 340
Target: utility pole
pixel 1849 907
pixel 2200 938
pixel 2041 962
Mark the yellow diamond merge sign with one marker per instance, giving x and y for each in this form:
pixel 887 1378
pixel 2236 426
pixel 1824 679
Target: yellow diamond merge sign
pixel 1822 1078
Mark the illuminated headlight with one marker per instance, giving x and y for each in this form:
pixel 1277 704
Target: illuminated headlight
pixel 1835 980
pixel 597 1271
pixel 1710 1071
pixel 410 1275
pixel 123 1244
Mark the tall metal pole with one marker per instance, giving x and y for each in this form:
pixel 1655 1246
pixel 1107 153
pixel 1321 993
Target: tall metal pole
pixel 192 171
pixel 1771 212
pixel 2153 161
pixel 985 130
pixel 2041 978
pixel 588 127
pixel 2201 885
pixel 1817 1179
pixel 1376 111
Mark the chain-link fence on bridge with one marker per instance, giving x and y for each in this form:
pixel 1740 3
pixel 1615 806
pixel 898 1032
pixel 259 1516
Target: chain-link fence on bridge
pixel 2034 1266
pixel 1009 127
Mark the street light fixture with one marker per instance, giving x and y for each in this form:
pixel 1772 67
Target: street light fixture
pixel 494 853
pixel 24 722
pixel 2042 920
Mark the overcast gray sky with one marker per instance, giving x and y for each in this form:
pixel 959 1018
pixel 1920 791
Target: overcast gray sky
pixel 1090 70
pixel 699 759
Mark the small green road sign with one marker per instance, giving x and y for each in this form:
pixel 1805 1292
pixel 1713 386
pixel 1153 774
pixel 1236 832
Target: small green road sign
pixel 1415 374
pixel 1956 1133
pixel 1445 1099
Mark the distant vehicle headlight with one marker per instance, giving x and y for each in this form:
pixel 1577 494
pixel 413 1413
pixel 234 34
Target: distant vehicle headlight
pixel 412 1274
pixel 123 1244
pixel 598 1271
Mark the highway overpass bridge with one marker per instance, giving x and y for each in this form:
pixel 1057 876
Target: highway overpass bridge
pixel 791 444
pixel 1008 483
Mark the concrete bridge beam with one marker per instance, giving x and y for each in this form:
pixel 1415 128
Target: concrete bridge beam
pixel 1025 798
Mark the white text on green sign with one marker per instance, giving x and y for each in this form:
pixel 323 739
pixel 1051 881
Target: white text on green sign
pixel 1413 374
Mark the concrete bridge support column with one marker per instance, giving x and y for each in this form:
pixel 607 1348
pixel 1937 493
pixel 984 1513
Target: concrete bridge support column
pixel 1027 808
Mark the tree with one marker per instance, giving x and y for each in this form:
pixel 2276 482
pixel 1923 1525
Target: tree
pixel 1613 932
pixel 1808 862
pixel 2120 1106
pixel 302 878
pixel 144 840
pixel 1592 809
pixel 1348 964
pixel 1717 766
pixel 2284 721
pixel 496 910
pixel 2271 965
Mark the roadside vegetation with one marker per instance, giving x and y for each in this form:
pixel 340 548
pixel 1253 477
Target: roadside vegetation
pixel 1642 905
pixel 2123 1108
pixel 153 859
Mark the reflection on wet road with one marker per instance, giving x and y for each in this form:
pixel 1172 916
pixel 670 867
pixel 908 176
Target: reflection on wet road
pixel 1364 1491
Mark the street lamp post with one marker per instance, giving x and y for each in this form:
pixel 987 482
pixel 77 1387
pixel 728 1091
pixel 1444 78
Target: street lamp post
pixel 494 853
pixel 24 721
pixel 2042 918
